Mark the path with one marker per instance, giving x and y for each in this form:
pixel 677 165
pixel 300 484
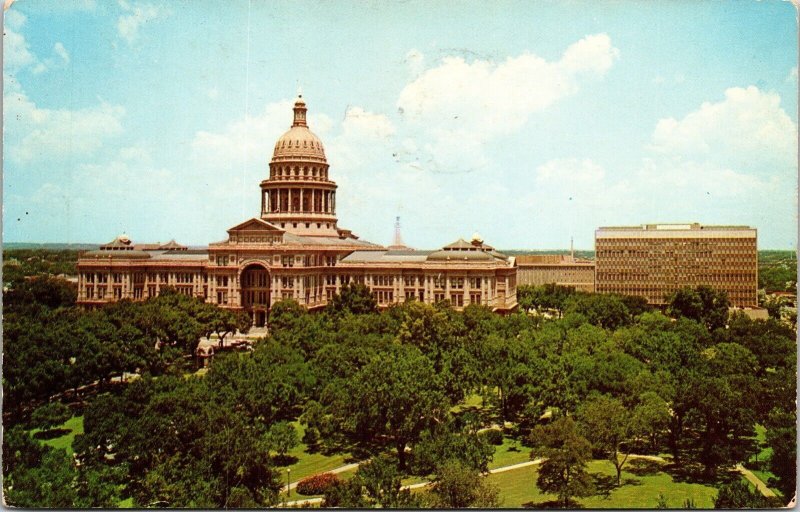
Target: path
pixel 761 486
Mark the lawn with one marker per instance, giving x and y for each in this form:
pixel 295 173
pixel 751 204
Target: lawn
pixel 508 453
pixel 74 425
pixel 518 487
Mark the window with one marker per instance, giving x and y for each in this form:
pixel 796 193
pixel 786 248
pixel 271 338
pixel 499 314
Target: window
pixel 287 261
pixel 89 292
pixel 457 299
pixel 457 283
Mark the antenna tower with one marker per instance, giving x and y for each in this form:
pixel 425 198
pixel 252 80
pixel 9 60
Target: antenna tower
pixel 398 240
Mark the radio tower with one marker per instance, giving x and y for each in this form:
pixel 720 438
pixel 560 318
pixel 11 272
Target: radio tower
pixel 397 243
pixel 398 240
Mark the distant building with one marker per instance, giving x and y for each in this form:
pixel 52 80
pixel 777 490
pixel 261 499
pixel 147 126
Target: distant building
pixel 560 269
pixel 296 250
pixel 655 260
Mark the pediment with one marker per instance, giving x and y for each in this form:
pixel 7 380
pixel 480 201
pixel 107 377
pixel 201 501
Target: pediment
pixel 256 225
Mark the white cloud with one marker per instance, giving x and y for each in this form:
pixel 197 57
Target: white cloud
pixel 462 105
pixel 748 131
pixel 14 18
pixel 247 140
pixel 16 52
pixel 365 136
pixel 128 25
pixel 38 134
pixel 61 52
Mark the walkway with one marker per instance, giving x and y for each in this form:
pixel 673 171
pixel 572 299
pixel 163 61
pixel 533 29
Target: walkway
pixel 761 486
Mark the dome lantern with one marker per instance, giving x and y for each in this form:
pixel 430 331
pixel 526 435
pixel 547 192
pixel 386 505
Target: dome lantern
pixel 299 112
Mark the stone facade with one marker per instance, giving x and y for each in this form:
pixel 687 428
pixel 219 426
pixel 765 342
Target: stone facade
pixel 296 250
pixel 655 260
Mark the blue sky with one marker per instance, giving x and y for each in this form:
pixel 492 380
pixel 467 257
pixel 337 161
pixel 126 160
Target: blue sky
pixel 528 122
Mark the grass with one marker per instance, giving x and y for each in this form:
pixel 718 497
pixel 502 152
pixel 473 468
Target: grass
pixel 508 453
pixel 74 425
pixel 518 487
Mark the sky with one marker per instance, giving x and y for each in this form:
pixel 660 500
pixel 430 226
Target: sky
pixel 530 123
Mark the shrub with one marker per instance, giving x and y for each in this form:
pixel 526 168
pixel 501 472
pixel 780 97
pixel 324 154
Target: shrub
pixel 50 415
pixel 317 484
pixel 493 436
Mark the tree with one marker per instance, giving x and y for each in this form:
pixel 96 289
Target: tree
pixel 782 438
pixel 20 449
pixel 607 425
pixel 444 443
pixel 281 437
pixel 738 494
pixel 391 400
pixel 382 483
pixel 703 304
pixel 509 365
pixel 650 417
pixel 564 471
pixel 460 486
pixel 47 485
pixel 602 310
pixel 722 408
pixel 353 298
pixel 50 415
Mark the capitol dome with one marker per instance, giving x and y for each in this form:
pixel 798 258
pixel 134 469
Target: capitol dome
pixel 299 143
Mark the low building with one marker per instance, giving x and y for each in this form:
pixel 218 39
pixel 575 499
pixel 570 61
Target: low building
pixel 560 269
pixel 655 260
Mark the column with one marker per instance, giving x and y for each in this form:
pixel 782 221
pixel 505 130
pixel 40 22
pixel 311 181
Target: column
pixel 333 202
pixel 263 202
pixel 313 200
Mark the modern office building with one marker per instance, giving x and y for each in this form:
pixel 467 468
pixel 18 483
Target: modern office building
pixel 655 260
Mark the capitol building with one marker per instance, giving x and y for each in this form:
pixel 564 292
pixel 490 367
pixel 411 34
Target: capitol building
pixel 295 249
